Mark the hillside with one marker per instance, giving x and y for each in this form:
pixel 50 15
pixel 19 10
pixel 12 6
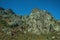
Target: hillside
pixel 39 25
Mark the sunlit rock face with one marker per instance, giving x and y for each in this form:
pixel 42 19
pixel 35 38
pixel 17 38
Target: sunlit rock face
pixel 40 21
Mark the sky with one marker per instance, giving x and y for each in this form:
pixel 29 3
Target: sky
pixel 24 7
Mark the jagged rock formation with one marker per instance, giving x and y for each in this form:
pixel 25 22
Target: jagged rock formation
pixel 39 22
